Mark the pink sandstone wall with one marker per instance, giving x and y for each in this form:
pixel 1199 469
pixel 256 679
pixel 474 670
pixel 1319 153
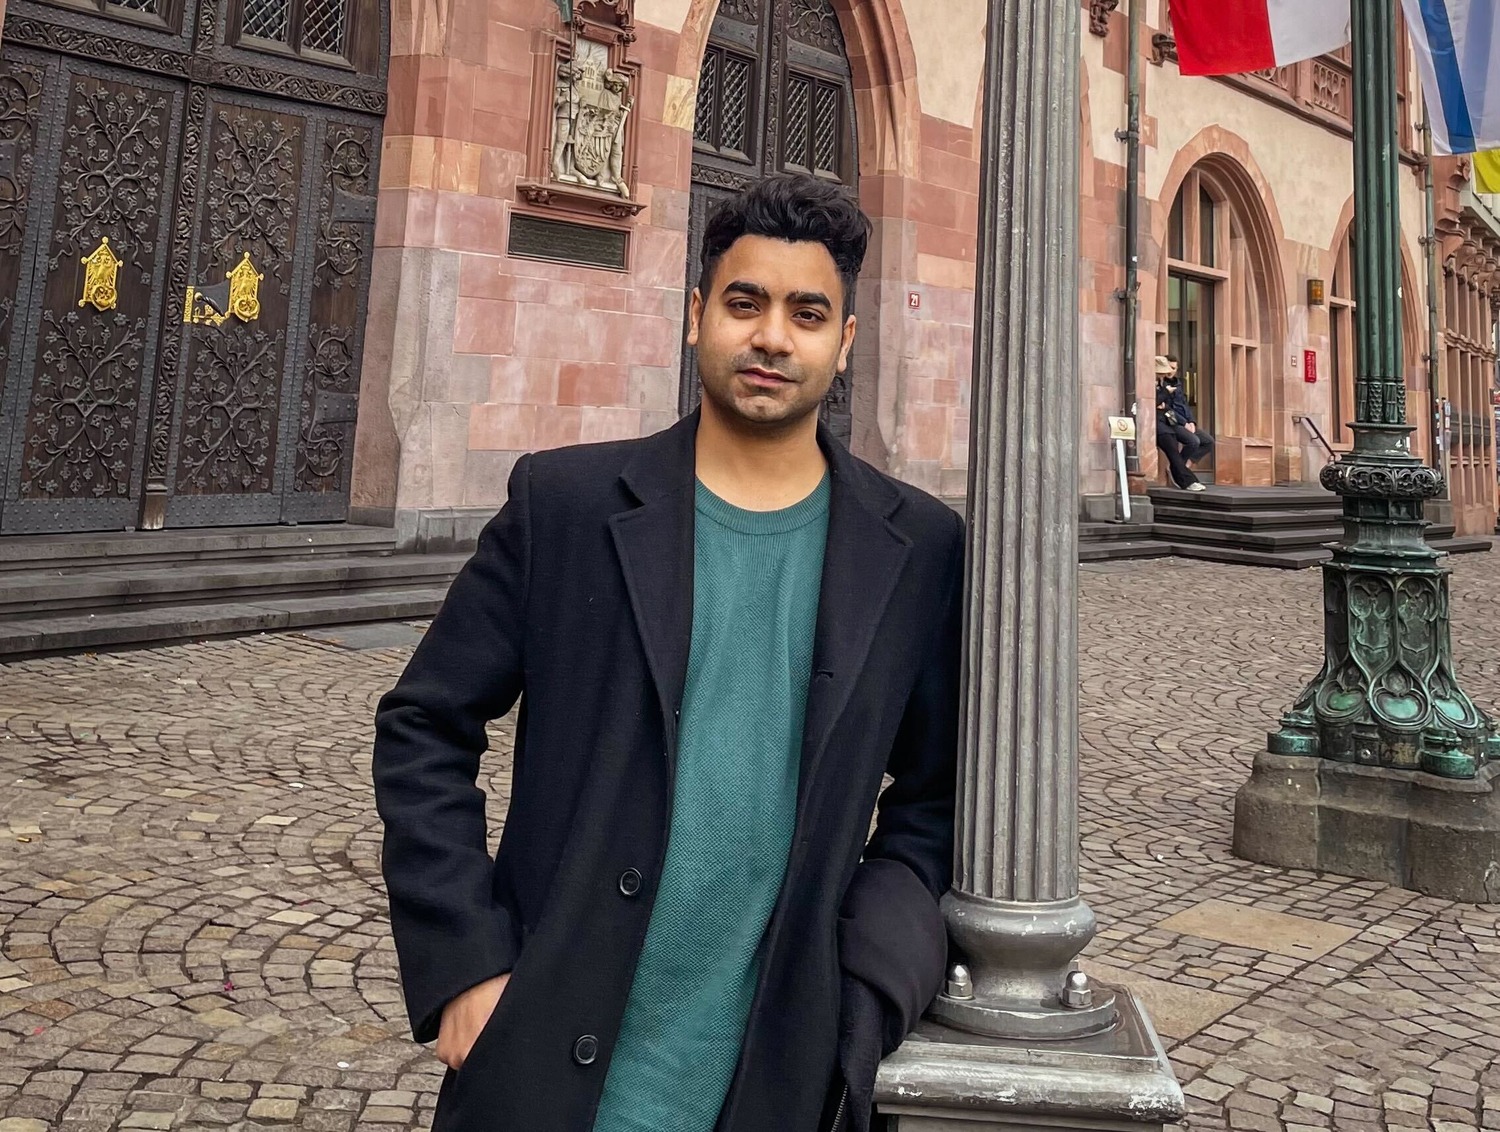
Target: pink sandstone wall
pixel 475 357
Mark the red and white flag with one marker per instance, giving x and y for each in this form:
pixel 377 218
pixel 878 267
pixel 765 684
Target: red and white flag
pixel 1227 37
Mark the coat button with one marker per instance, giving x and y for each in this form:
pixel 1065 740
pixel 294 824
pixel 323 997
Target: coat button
pixel 586 1049
pixel 630 882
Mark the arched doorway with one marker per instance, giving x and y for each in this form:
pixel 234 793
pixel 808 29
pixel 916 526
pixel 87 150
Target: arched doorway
pixel 775 94
pixel 1218 320
pixel 187 202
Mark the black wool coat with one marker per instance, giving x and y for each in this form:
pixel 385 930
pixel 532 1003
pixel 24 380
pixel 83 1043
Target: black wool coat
pixel 579 603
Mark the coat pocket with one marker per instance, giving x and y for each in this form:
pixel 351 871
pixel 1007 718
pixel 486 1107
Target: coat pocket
pixel 484 1050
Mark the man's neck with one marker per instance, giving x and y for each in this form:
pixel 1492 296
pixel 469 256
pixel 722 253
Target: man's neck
pixel 759 471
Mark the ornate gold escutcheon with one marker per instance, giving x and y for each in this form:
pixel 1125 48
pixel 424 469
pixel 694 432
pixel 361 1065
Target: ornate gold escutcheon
pixel 238 295
pixel 101 275
pixel 244 290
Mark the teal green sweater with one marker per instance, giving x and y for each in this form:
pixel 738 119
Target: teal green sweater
pixel 757 578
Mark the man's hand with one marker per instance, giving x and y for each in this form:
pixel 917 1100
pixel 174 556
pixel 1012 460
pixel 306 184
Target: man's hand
pixel 464 1017
pixel 1191 427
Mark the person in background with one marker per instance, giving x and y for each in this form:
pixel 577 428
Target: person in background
pixel 1177 431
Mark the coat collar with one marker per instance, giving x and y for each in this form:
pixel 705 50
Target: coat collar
pixel 862 563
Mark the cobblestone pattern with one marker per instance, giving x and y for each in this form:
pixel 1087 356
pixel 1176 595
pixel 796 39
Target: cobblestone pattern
pixel 192 931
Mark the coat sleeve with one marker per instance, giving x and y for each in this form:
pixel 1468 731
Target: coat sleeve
pixel 891 933
pixel 451 931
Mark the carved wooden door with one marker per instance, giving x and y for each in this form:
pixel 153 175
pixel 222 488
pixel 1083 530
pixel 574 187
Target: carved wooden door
pixel 215 164
pixel 774 95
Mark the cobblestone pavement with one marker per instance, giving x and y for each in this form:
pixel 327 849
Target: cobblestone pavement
pixel 192 932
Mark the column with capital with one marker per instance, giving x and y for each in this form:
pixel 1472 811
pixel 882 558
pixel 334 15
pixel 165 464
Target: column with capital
pixel 1021 1037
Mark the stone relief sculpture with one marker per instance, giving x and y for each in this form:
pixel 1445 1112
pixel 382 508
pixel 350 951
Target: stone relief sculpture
pixel 562 123
pixel 591 108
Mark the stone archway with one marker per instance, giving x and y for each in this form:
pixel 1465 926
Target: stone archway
pixel 887 130
pixel 1222 290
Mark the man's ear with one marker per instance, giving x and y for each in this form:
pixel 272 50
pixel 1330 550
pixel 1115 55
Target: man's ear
pixel 695 317
pixel 850 326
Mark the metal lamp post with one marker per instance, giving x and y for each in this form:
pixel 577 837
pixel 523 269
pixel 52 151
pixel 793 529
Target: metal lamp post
pixel 1383 768
pixel 1021 1037
pixel 1387 694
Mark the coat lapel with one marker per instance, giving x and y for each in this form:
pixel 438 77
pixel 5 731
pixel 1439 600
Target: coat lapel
pixel 655 545
pixel 861 566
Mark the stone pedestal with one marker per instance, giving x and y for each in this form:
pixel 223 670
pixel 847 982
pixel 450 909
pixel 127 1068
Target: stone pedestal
pixel 1438 836
pixel 945 1080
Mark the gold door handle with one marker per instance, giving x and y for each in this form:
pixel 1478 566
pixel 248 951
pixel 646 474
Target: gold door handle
pixel 101 276
pixel 238 295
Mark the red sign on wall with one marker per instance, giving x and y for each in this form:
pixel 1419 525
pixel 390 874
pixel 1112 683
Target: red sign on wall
pixel 1310 366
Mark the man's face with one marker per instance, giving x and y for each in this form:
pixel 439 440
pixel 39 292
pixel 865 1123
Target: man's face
pixel 770 334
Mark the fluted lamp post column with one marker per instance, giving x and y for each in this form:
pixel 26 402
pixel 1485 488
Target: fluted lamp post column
pixel 1021 1038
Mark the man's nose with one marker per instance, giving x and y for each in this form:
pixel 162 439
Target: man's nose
pixel 773 334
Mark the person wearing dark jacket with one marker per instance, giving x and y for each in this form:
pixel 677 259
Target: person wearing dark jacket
pixel 722 637
pixel 1177 432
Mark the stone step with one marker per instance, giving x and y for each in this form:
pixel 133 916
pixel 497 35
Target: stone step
pixel 1463 544
pixel 1294 559
pixel 1112 550
pixel 1233 498
pixel 1246 520
pixel 31 552
pixel 1271 541
pixel 1111 532
pixel 26 593
pixel 157 625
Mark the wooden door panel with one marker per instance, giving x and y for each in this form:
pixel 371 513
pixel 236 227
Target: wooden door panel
pixel 82 384
pixel 342 236
pixel 23 78
pixel 235 383
pixel 220 420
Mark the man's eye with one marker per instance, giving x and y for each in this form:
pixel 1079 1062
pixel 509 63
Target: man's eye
pixel 810 316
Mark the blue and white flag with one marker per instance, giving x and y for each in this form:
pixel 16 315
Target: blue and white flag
pixel 1457 45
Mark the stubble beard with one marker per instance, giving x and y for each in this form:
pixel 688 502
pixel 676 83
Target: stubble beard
pixel 758 412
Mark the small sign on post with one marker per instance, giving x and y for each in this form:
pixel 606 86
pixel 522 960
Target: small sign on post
pixel 1122 429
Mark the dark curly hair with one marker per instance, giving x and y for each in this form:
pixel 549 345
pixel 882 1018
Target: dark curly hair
pixel 796 208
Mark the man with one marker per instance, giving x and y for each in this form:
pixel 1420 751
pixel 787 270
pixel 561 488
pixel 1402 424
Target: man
pixel 1177 432
pixel 1195 441
pixel 721 637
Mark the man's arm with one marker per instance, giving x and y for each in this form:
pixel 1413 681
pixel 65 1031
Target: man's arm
pixel 915 822
pixel 451 933
pixel 891 934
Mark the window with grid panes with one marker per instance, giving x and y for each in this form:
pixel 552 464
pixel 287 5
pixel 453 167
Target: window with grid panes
pixel 305 27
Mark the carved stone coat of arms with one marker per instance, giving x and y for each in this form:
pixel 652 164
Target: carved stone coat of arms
pixel 592 107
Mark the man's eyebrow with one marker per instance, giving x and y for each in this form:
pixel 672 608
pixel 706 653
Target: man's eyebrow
pixel 744 287
pixel 809 299
pixel 795 298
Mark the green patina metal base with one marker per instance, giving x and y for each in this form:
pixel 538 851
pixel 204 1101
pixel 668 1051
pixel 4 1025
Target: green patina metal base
pixel 1387 694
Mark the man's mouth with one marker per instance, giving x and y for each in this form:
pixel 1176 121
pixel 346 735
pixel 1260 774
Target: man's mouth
pixel 764 376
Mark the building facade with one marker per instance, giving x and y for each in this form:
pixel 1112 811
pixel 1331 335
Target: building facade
pixel 303 260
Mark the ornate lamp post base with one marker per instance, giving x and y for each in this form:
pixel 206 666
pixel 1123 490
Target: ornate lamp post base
pixel 1387 694
pixel 1383 768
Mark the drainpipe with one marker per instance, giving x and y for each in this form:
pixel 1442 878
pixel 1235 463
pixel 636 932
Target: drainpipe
pixel 1439 451
pixel 1129 295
